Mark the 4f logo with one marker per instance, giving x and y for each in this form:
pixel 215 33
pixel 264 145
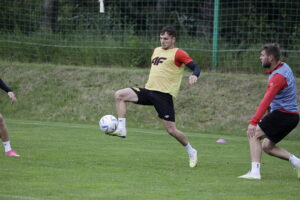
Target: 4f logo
pixel 157 60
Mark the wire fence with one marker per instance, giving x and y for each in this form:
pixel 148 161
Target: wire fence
pixel 220 35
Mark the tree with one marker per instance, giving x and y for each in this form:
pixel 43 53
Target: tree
pixel 51 14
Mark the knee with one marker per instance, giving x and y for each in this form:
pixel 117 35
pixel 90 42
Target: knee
pixel 266 148
pixel 254 138
pixel 171 131
pixel 258 136
pixel 119 95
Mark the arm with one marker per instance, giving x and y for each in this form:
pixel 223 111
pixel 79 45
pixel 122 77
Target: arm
pixel 9 91
pixel 196 72
pixel 275 84
pixel 4 87
pixel 194 67
pixel 182 57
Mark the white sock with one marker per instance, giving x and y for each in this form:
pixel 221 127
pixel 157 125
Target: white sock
pixel 7 146
pixel 255 167
pixel 122 123
pixel 295 161
pixel 189 149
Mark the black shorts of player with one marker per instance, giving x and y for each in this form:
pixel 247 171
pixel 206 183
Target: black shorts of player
pixel 162 102
pixel 276 125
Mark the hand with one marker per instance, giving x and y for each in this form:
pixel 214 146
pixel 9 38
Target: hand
pixel 251 130
pixel 193 79
pixel 12 97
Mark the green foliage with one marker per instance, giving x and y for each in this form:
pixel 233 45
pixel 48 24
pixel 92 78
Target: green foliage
pixel 20 16
pixel 75 33
pixel 135 55
pixel 260 22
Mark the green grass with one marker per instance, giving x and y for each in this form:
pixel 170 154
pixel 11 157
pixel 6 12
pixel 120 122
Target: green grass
pixel 70 161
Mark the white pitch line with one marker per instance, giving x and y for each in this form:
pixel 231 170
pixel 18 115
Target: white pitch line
pixel 20 197
pixel 135 130
pixel 44 124
pixel 76 126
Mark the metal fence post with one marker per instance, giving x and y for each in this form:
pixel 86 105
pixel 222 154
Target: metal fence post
pixel 215 46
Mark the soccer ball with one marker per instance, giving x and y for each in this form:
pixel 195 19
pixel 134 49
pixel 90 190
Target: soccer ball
pixel 108 124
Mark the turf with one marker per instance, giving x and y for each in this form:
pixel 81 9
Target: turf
pixel 67 161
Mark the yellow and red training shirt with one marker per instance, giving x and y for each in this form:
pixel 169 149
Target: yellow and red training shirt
pixel 166 70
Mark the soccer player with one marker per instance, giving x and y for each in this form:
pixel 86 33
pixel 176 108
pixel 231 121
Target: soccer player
pixel 3 130
pixel 282 118
pixel 162 86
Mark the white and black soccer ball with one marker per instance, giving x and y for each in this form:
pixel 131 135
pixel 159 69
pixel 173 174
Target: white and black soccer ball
pixel 108 124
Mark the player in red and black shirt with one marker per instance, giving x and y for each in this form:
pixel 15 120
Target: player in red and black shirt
pixel 3 130
pixel 281 99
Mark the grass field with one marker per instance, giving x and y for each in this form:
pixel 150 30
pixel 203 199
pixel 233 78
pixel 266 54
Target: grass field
pixel 69 161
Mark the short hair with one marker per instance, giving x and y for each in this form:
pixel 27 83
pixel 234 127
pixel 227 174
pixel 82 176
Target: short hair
pixel 272 49
pixel 170 30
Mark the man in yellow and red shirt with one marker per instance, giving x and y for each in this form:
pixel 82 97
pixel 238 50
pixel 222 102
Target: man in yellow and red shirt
pixel 281 97
pixel 167 65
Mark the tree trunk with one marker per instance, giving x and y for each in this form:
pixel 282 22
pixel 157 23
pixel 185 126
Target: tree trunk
pixel 51 14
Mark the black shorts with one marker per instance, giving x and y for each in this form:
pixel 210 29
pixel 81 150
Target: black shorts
pixel 277 125
pixel 162 102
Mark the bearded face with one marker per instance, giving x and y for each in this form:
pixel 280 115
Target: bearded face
pixel 266 64
pixel 265 59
